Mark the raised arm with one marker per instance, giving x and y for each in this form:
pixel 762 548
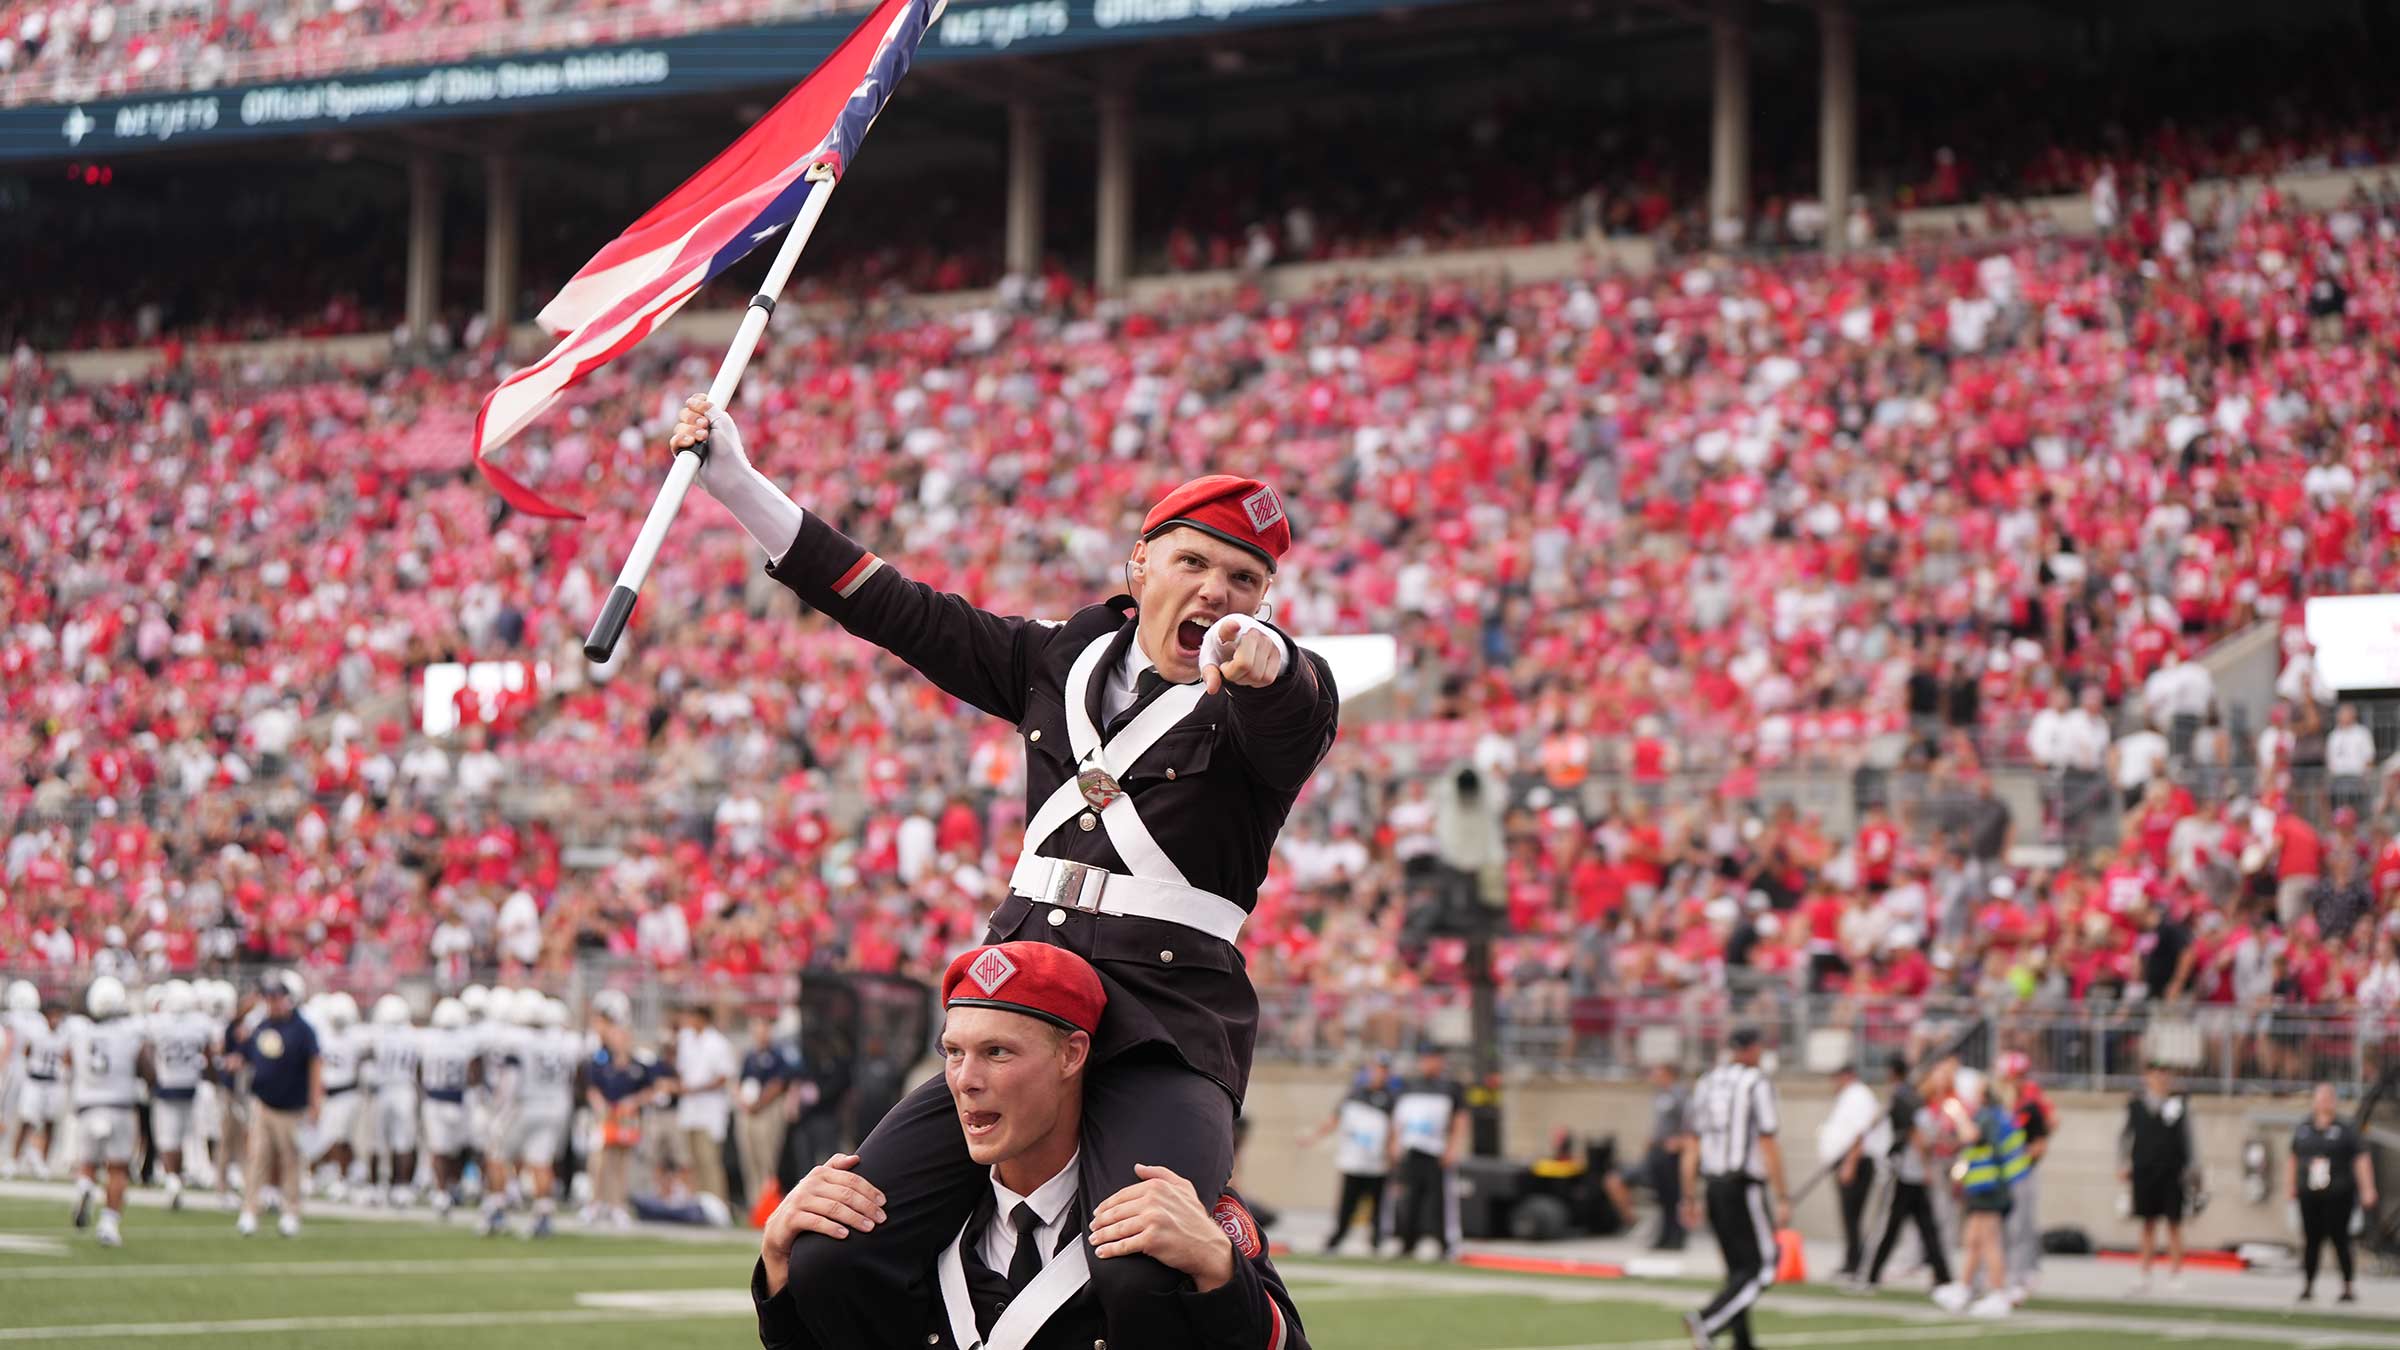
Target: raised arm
pixel 1281 701
pixel 977 657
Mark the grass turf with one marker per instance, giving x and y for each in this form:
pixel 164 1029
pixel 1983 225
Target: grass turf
pixel 185 1280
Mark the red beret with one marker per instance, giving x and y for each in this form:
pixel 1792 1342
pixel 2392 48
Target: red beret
pixel 1033 978
pixel 1241 511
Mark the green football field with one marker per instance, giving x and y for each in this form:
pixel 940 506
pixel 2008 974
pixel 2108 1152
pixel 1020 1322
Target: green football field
pixel 186 1280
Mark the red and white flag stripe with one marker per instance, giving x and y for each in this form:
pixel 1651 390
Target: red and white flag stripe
pixel 742 198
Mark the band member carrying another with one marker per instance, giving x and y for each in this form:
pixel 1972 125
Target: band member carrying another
pixel 1018 1275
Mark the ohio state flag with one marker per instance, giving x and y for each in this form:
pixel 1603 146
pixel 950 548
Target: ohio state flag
pixel 743 198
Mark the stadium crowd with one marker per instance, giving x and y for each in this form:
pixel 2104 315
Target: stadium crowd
pixel 1916 497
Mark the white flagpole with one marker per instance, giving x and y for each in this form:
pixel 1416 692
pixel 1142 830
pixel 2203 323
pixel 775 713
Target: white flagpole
pixel 602 643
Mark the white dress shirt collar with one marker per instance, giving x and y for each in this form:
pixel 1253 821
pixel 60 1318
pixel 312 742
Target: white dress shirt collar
pixel 1118 694
pixel 1051 1200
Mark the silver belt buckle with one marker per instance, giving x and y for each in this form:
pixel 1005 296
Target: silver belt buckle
pixel 1066 886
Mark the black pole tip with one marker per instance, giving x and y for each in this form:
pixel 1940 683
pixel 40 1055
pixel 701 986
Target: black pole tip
pixel 602 644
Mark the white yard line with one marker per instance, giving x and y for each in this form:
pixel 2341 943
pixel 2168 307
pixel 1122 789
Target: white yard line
pixel 375 1322
pixel 1927 1321
pixel 1960 1333
pixel 205 1203
pixel 497 1264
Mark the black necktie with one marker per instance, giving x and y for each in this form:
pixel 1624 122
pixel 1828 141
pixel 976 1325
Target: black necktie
pixel 1027 1262
pixel 1144 685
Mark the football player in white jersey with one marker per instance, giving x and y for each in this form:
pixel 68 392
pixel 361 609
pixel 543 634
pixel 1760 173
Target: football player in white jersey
pixel 218 1111
pixel 109 1055
pixel 392 1107
pixel 44 1095
pixel 183 1042
pixel 447 1067
pixel 508 1036
pixel 547 1057
pixel 487 1018
pixel 19 1015
pixel 340 1048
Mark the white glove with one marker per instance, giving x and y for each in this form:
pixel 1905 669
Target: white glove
pixel 727 474
pixel 1226 634
pixel 727 459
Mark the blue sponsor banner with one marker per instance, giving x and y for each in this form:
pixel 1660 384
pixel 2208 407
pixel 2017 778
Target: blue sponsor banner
pixel 718 59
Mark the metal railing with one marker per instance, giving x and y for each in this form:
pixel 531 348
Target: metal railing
pixel 2091 1045
pixel 2094 1046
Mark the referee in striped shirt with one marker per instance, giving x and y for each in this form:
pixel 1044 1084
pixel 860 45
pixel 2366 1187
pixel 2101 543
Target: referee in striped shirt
pixel 1733 1119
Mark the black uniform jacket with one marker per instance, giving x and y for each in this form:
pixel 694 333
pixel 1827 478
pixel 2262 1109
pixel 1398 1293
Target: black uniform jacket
pixel 1252 1311
pixel 1213 791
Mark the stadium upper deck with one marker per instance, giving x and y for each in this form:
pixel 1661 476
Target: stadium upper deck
pixel 1266 139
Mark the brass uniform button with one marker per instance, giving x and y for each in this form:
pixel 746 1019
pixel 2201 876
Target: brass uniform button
pixel 1087 820
pixel 1058 918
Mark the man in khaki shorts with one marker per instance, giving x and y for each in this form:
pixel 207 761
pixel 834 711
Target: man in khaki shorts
pixel 287 1087
pixel 705 1066
pixel 764 1097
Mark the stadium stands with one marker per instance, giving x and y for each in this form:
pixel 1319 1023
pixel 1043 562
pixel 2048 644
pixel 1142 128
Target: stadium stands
pixel 1725 518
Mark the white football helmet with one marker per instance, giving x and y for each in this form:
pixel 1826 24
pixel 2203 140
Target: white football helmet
pixel 391 1011
pixel 449 1015
pixel 526 1009
pixel 555 1015
pixel 23 997
pixel 217 998
pixel 105 998
pixel 154 997
pixel 175 998
pixel 475 1000
pixel 341 1011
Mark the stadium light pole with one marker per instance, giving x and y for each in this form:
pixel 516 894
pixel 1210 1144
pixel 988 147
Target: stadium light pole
pixel 618 609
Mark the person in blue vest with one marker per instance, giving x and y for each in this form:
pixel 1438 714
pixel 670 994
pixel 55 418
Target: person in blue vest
pixel 1991 1159
pixel 287 1084
pixel 763 1100
pixel 617 1083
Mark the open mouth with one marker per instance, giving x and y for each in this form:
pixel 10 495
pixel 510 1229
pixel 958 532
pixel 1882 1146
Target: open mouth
pixel 1189 635
pixel 980 1124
